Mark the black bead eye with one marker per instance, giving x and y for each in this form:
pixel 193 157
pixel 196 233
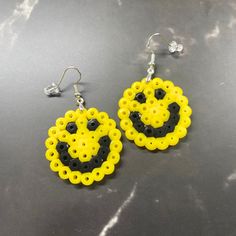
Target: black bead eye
pixel 62 147
pixel 71 127
pixel 173 107
pixel 74 164
pixel 65 158
pixel 134 116
pixel 140 97
pixel 93 124
pixel 148 131
pixel 160 94
pixel 104 141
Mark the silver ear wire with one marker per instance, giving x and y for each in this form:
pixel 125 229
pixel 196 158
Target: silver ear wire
pixel 54 88
pixel 173 47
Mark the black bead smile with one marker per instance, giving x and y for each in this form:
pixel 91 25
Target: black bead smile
pixel 150 131
pixel 76 165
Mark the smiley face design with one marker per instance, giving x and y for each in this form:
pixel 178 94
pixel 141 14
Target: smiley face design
pixel 83 146
pixel 154 114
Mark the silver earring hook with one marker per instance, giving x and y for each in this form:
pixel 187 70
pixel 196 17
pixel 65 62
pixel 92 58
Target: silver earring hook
pixel 149 40
pixel 173 47
pixel 55 90
pixel 70 68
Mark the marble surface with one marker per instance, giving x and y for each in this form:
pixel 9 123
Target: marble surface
pixel 188 190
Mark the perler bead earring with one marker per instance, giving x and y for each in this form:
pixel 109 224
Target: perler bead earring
pixel 153 112
pixel 84 145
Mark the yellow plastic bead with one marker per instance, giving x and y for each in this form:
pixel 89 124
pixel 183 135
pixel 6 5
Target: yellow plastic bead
pixel 146 118
pixel 85 155
pixel 157 122
pixel 93 136
pixel 168 85
pixel 61 123
pixel 55 165
pixel 140 140
pixel 172 139
pixel 165 114
pixel 134 105
pixel 83 132
pixel 98 174
pixel 51 154
pixel 92 113
pixel 113 157
pixel 144 81
pixel 131 133
pixel 111 124
pixel 123 103
pixel 123 113
pixel 51 142
pixel 74 151
pixel 102 117
pixel 125 124
pixel 94 147
pixel 151 101
pixel 75 177
pixel 182 100
pixel 53 132
pixel 154 111
pixel 149 92
pixel 81 113
pixel 81 122
pixel 185 122
pixel 162 144
pixel 137 87
pixel 186 111
pixel 83 143
pixel 107 167
pixel 87 179
pixel 114 134
pixel 150 144
pixel 157 83
pixel 103 130
pixel 63 136
pixel 71 116
pixel 116 145
pixel 162 105
pixel 170 98
pixel 177 90
pixel 144 107
pixel 129 94
pixel 73 139
pixel 64 172
pixel 180 131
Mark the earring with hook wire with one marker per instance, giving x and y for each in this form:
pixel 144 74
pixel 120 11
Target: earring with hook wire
pixel 55 90
pixel 173 47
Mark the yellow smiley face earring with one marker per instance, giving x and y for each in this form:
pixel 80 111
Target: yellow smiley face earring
pixel 84 145
pixel 154 113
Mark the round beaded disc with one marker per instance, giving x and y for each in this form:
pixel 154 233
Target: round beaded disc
pixel 154 114
pixel 83 146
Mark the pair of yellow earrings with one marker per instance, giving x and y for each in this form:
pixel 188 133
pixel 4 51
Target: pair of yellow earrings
pixel 84 146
